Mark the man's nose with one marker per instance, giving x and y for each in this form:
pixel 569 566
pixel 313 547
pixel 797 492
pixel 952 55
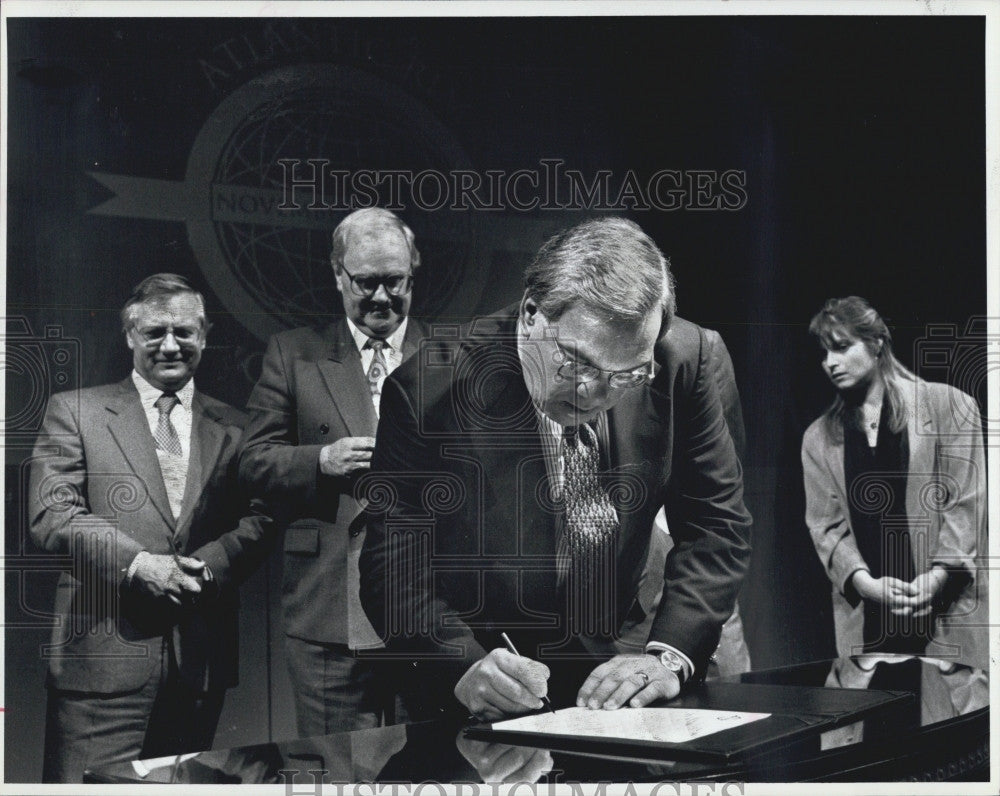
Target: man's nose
pixel 169 343
pixel 381 294
pixel 594 392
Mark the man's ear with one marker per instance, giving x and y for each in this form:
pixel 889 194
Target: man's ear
pixel 529 310
pixel 128 341
pixel 336 276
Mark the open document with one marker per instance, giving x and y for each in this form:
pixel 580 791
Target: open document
pixel 661 725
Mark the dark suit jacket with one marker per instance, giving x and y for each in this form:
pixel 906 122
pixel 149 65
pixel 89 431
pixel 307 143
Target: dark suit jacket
pixel 313 391
pixel 96 495
pixel 461 533
pixel 732 653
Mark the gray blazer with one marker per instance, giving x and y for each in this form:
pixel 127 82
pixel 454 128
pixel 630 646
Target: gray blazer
pixel 96 497
pixel 945 506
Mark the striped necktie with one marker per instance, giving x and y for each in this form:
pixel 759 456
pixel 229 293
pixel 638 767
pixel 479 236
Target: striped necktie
pixel 166 435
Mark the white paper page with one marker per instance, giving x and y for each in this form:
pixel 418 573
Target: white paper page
pixel 144 767
pixel 664 725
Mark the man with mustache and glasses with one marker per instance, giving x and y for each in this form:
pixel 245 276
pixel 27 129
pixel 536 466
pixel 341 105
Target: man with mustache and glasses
pixel 311 434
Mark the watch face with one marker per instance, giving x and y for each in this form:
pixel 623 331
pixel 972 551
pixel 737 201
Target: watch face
pixel 671 661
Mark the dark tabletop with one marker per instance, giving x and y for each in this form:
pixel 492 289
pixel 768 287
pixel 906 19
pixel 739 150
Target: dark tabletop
pixel 941 733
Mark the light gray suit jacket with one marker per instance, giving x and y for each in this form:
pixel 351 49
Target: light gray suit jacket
pixel 96 498
pixel 945 507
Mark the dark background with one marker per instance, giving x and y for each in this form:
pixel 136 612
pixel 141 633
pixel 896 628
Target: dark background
pixel 862 139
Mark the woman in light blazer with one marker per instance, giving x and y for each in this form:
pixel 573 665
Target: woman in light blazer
pixel 895 483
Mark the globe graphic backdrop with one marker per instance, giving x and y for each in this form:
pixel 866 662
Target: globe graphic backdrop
pixel 270 266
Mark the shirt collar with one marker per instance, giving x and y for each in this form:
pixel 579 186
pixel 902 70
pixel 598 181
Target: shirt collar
pixel 148 394
pixel 394 340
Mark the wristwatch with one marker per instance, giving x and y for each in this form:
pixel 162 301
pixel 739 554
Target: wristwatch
pixel 673 662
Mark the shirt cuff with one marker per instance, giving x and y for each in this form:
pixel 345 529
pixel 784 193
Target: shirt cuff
pixel 659 646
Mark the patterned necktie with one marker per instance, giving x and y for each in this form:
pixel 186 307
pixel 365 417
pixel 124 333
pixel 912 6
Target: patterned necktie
pixel 166 435
pixel 590 534
pixel 377 370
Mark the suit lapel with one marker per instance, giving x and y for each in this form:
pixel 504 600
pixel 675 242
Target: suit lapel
pixel 346 382
pixel 515 469
pixel 206 444
pixel 415 332
pixel 635 450
pixel 833 452
pixel 921 438
pixel 130 430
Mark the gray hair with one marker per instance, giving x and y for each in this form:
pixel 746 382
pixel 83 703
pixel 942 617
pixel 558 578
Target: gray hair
pixel 369 220
pixel 609 265
pixel 158 286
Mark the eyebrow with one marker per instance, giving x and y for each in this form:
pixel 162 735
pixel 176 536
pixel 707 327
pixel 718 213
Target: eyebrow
pixel 156 327
pixel 584 359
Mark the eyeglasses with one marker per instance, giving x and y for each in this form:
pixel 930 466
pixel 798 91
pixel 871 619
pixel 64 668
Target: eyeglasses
pixel 367 286
pixel 153 336
pixel 584 374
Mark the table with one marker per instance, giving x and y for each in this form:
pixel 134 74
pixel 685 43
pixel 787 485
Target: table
pixel 942 734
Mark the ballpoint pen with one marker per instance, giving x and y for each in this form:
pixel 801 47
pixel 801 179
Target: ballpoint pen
pixel 513 650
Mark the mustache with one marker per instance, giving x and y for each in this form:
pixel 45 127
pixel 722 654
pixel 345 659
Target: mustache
pixel 395 303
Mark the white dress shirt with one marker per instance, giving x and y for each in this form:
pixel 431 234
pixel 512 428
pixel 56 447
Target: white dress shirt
pixel 392 351
pixel 173 468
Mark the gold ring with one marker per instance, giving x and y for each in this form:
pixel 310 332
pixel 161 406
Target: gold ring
pixel 645 678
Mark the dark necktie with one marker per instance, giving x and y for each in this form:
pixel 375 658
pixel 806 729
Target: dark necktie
pixel 377 370
pixel 166 435
pixel 590 531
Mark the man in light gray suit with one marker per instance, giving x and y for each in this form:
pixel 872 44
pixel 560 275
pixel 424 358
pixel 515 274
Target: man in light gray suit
pixel 136 483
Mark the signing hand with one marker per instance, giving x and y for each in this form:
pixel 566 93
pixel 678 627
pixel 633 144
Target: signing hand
pixel 176 578
pixel 636 679
pixel 502 684
pixel 498 762
pixel 346 456
pixel 897 595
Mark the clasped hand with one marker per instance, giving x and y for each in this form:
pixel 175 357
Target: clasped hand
pixel 503 684
pixel 903 598
pixel 178 578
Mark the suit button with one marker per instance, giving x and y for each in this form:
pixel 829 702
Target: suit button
pixel 324 429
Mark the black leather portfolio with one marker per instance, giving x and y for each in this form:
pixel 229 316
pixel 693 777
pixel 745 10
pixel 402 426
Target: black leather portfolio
pixel 795 712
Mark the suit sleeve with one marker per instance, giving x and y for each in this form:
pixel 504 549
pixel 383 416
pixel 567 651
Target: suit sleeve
pixel 827 518
pixel 247 539
pixel 961 497
pixel 272 462
pixel 397 591
pixel 708 521
pixel 59 506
